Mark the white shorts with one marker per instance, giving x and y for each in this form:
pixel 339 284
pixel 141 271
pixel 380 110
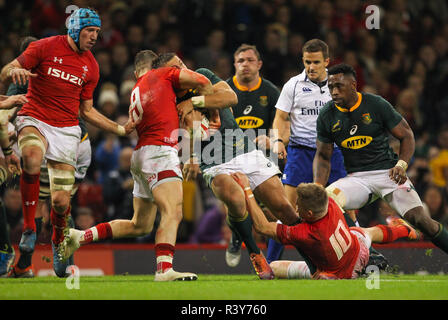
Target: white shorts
pixel 363 257
pixel 62 141
pixel 152 166
pixel 361 188
pixel 83 159
pixel 255 165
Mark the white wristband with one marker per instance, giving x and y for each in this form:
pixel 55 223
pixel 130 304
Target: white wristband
pixel 121 131
pixel 198 102
pixel 403 164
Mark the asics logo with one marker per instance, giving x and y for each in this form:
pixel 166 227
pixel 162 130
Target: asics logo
pixel 65 76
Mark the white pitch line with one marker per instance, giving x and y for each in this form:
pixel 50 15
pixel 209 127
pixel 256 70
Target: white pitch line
pixel 411 280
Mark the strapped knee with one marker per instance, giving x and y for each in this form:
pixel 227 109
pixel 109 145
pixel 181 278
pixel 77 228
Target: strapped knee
pixel 61 179
pixel 31 139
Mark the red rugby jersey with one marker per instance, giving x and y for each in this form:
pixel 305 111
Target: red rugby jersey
pixel 327 242
pixel 153 101
pixel 65 77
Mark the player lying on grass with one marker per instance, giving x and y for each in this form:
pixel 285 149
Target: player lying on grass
pixel 337 251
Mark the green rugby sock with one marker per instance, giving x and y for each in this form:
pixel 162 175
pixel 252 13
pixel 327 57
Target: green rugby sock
pixel 244 228
pixel 441 238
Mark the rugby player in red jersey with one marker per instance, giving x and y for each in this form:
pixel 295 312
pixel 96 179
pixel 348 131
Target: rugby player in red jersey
pixel 62 75
pixel 337 251
pixel 155 165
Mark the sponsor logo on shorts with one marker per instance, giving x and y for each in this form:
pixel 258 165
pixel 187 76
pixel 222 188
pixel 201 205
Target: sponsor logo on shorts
pixel 356 142
pixel 152 177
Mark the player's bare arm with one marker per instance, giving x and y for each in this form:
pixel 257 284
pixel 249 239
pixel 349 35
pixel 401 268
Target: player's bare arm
pixel 280 132
pixel 14 72
pixel 93 116
pixel 404 134
pixel 261 224
pixel 222 97
pixel 9 102
pixel 322 162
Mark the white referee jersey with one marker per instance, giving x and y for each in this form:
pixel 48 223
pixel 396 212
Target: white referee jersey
pixel 303 99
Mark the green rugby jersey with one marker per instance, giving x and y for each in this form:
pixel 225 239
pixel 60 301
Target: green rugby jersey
pixel 256 107
pixel 229 141
pixel 362 133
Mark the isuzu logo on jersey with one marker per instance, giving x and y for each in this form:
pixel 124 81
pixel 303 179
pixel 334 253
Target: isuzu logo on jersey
pixel 356 142
pixel 65 76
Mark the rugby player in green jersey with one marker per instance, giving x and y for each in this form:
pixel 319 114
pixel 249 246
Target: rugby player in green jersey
pixel 360 124
pixel 226 151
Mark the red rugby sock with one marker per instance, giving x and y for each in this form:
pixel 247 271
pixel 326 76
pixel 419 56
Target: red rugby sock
pixel 29 188
pixel 164 256
pixel 392 233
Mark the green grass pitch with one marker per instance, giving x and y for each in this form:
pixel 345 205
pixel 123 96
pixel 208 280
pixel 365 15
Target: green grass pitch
pixel 225 287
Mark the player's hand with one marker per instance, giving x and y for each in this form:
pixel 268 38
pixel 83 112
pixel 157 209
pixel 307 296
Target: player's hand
pixel 398 175
pixel 279 148
pixel 184 108
pixel 13 101
pixel 263 142
pixel 13 164
pixel 130 125
pixel 241 179
pixel 21 76
pixel 191 169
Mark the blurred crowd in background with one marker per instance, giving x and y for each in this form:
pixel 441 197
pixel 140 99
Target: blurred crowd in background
pixel 405 61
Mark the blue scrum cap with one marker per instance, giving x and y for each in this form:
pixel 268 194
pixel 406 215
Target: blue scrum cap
pixel 80 19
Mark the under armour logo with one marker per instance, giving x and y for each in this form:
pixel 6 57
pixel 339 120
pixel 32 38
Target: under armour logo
pixel 57 60
pixel 28 203
pixel 85 68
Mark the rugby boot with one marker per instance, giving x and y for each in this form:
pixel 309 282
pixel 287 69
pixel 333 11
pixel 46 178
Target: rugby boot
pixel 27 241
pixel 233 251
pixel 16 272
pixel 261 266
pixel 413 234
pixel 171 275
pixel 6 260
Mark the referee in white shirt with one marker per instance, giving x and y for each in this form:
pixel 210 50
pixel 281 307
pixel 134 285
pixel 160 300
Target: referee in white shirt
pixel 300 100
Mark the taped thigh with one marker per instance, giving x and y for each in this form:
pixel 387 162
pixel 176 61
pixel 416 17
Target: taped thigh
pixel 337 195
pixel 31 139
pixel 61 180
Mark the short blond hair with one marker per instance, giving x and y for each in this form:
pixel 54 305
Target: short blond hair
pixel 313 197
